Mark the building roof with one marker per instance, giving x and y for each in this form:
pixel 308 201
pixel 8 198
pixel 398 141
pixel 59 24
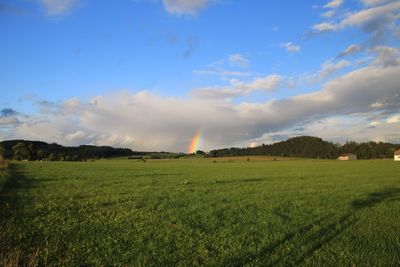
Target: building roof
pixel 345 155
pixel 397 152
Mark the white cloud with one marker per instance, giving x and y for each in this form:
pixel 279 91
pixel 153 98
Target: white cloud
pixel 334 4
pixel 181 7
pixel 221 73
pixel 325 27
pixel 328 14
pixel 78 135
pixel 8 121
pixel 238 60
pixel 58 7
pixel 290 47
pixel 350 50
pixel 373 20
pixel 374 2
pixel 393 119
pixel 375 123
pixel 239 88
pixel 377 105
pixel 265 83
pixel 328 68
pixel 386 56
pixel 146 121
pixel 216 93
pixel 369 15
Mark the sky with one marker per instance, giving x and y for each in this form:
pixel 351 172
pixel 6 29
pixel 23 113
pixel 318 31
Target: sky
pixel 153 74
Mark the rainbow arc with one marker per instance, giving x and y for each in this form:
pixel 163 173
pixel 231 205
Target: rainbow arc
pixel 194 144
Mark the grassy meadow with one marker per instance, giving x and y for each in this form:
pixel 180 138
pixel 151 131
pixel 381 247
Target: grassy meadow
pixel 208 212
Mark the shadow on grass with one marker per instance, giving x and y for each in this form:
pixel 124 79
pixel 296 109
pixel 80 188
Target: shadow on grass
pixel 11 206
pixel 374 198
pixel 17 181
pixel 305 241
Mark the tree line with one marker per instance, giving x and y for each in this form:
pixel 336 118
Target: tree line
pixel 312 147
pixel 36 150
pixel 302 146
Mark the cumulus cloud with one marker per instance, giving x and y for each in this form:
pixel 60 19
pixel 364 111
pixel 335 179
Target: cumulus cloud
pixel 290 47
pixel 181 7
pixel 328 68
pixel 370 15
pixel 350 50
pixel 334 4
pixel 325 27
pixel 374 20
pixel 216 93
pixel 328 14
pixel 221 73
pixel 145 121
pixel 8 121
pixel 239 88
pixel 393 119
pixel 374 2
pixel 74 136
pixel 58 7
pixel 265 83
pixel 238 60
pixel 9 117
pixel 386 56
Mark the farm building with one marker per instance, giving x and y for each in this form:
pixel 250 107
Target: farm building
pixel 397 155
pixel 347 157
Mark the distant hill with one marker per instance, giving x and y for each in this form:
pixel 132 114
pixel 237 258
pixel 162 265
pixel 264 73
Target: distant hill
pixel 302 146
pixel 312 147
pixel 33 150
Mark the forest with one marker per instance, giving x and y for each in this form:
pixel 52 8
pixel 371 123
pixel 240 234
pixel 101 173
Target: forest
pixel 312 147
pixel 303 146
pixel 36 150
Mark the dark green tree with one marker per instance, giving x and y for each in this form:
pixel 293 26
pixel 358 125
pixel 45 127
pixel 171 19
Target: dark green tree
pixel 21 152
pixel 200 152
pixel 2 151
pixel 41 154
pixel 52 157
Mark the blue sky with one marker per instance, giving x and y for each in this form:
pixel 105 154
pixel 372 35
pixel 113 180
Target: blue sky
pixel 148 74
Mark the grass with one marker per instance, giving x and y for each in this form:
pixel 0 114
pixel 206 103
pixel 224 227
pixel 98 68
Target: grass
pixel 186 212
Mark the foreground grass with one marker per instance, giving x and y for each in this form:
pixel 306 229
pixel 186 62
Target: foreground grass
pixel 186 212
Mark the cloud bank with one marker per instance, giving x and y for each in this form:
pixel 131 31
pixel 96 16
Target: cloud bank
pixel 146 121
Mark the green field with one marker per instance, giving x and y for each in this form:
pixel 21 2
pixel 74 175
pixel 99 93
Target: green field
pixel 212 212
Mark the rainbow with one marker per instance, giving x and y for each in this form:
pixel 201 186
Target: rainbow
pixel 194 144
